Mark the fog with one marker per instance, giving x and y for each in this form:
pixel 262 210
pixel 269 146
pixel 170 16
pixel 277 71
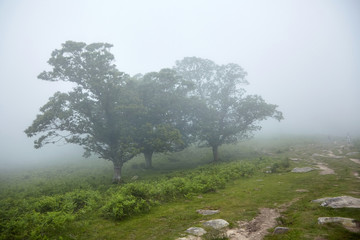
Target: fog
pixel 302 55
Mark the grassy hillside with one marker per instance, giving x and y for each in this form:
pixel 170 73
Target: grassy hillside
pixel 78 201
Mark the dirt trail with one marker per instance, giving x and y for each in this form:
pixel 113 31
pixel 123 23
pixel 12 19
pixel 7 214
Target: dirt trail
pixel 257 228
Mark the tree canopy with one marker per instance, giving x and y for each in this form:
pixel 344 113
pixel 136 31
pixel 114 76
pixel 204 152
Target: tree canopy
pixel 162 126
pixel 225 114
pixel 116 116
pixel 97 113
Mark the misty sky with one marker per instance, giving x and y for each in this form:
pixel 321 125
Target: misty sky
pixel 303 55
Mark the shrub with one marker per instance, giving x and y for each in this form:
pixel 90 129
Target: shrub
pixel 120 206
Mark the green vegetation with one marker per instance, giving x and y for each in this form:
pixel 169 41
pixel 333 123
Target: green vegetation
pixel 77 201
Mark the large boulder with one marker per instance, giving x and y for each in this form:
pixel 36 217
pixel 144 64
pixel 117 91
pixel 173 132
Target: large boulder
pixel 339 202
pixel 216 224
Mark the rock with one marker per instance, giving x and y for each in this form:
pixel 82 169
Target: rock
pixel 216 224
pixel 339 202
pixel 317 155
pixel 348 223
pixel 294 159
pixel 280 230
pixel 207 212
pixel 302 170
pixel 352 153
pixel 301 190
pixel 196 231
pixel 190 237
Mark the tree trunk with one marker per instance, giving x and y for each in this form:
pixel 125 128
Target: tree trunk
pixel 148 159
pixel 215 153
pixel 117 172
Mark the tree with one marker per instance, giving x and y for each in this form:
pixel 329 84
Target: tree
pixel 97 114
pixel 163 126
pixel 224 114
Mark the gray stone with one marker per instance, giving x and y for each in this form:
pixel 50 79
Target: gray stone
pixel 318 155
pixel 349 223
pixel 207 212
pixel 196 231
pixel 280 230
pixel 302 170
pixel 339 202
pixel 216 223
pixel 301 190
pixel 352 153
pixel 190 237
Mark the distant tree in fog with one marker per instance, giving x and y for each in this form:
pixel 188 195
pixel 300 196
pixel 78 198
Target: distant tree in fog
pixel 164 124
pixel 224 113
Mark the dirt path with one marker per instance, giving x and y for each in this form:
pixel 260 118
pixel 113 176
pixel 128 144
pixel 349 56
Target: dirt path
pixel 256 229
pixel 324 169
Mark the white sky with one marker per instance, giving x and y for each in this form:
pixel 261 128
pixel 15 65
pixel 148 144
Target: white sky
pixel 303 55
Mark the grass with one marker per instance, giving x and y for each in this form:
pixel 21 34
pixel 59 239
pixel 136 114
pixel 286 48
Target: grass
pixel 239 200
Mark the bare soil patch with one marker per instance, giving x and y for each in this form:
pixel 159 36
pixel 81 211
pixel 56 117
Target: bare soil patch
pixel 324 169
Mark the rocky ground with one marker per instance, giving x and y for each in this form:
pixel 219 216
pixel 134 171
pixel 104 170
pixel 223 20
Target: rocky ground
pixel 258 228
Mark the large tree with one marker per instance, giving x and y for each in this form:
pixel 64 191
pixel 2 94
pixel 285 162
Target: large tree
pixel 225 113
pixel 98 113
pixel 163 127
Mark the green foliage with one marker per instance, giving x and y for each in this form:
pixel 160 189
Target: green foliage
pixel 281 166
pixel 121 206
pixel 98 113
pixel 37 217
pixel 223 113
pixel 138 197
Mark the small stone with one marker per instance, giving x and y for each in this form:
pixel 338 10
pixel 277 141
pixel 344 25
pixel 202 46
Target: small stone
pixel 216 224
pixel 190 237
pixel 280 230
pixel 196 231
pixel 207 212
pixel 301 190
pixel 302 170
